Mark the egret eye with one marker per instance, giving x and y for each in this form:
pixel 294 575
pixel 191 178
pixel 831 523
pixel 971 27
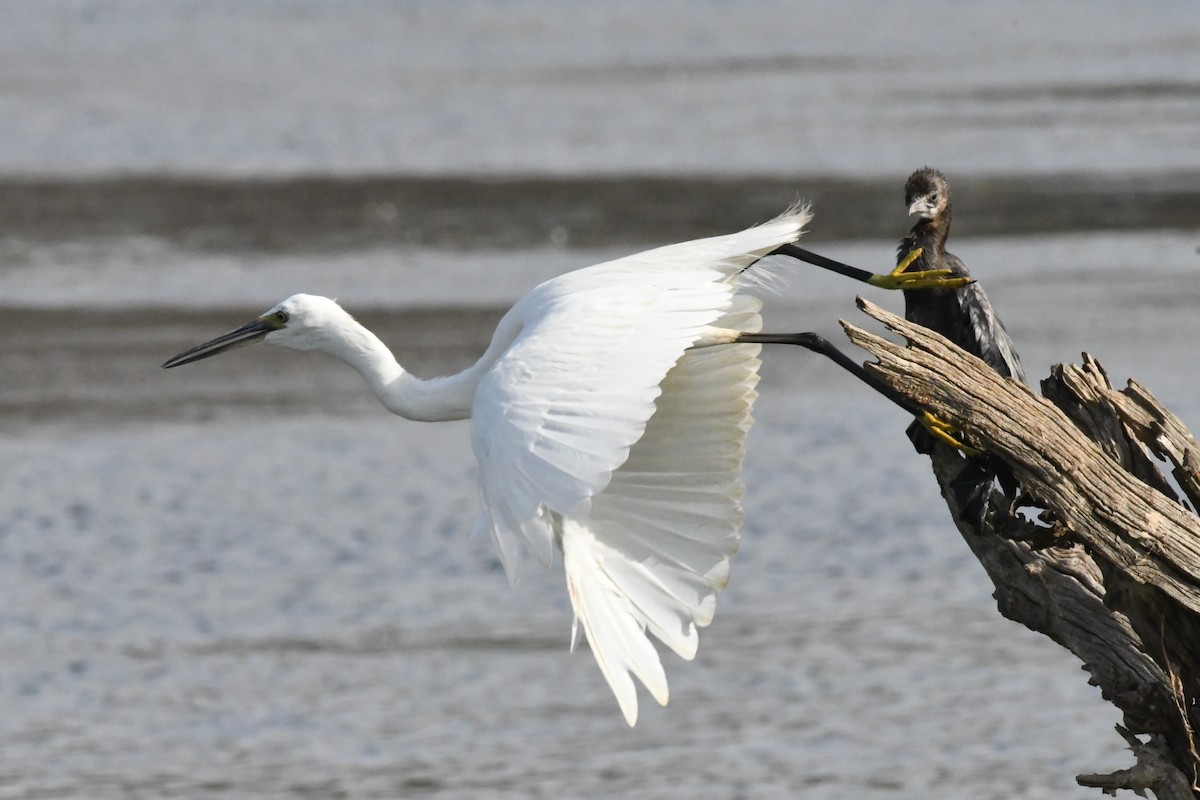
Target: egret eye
pixel 281 317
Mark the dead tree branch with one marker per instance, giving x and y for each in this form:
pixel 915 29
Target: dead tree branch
pixel 1097 552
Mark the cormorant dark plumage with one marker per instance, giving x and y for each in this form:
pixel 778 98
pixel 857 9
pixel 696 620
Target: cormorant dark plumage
pixel 964 315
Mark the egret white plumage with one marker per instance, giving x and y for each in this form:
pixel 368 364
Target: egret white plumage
pixel 600 428
pixel 609 417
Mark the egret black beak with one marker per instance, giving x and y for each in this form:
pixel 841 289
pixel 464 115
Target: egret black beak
pixel 248 333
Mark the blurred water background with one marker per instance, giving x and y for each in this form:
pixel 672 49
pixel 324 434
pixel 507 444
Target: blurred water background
pixel 245 579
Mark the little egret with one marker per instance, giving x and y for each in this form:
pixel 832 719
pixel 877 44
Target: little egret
pixel 609 417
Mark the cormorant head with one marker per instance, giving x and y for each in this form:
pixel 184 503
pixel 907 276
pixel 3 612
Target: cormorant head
pixel 927 193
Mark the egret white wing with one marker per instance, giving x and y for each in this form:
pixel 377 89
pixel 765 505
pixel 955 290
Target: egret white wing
pixel 655 549
pixel 560 409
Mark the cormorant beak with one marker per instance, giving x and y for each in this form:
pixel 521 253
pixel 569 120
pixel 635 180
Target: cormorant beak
pixel 247 334
pixel 923 207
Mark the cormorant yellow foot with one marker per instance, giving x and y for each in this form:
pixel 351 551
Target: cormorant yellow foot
pixel 921 279
pixel 943 431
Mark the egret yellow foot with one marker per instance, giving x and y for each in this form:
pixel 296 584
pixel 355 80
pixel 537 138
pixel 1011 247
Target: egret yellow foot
pixel 921 279
pixel 943 431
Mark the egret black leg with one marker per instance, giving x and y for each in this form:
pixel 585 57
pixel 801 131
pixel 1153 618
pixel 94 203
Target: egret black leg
pixel 898 278
pixel 819 344
pixel 809 257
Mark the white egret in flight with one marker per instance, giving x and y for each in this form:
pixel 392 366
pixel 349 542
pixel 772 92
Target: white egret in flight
pixel 609 417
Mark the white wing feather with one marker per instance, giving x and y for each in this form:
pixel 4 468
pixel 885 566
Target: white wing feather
pixel 655 549
pixel 600 428
pixel 559 411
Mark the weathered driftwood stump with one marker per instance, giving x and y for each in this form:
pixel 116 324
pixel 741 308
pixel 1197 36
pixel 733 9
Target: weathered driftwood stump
pixel 1097 551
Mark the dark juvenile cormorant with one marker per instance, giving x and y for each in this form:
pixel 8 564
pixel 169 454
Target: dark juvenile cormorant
pixel 964 315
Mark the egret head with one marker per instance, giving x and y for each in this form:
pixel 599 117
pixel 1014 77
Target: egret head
pixel 301 322
pixel 927 193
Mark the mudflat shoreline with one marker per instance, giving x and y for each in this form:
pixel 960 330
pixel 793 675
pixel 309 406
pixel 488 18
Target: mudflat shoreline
pixel 338 212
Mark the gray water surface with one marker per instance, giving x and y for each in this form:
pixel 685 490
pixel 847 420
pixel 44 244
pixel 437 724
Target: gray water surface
pixel 529 86
pixel 244 578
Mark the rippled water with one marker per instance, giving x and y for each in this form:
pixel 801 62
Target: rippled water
pixel 864 88
pixel 246 579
